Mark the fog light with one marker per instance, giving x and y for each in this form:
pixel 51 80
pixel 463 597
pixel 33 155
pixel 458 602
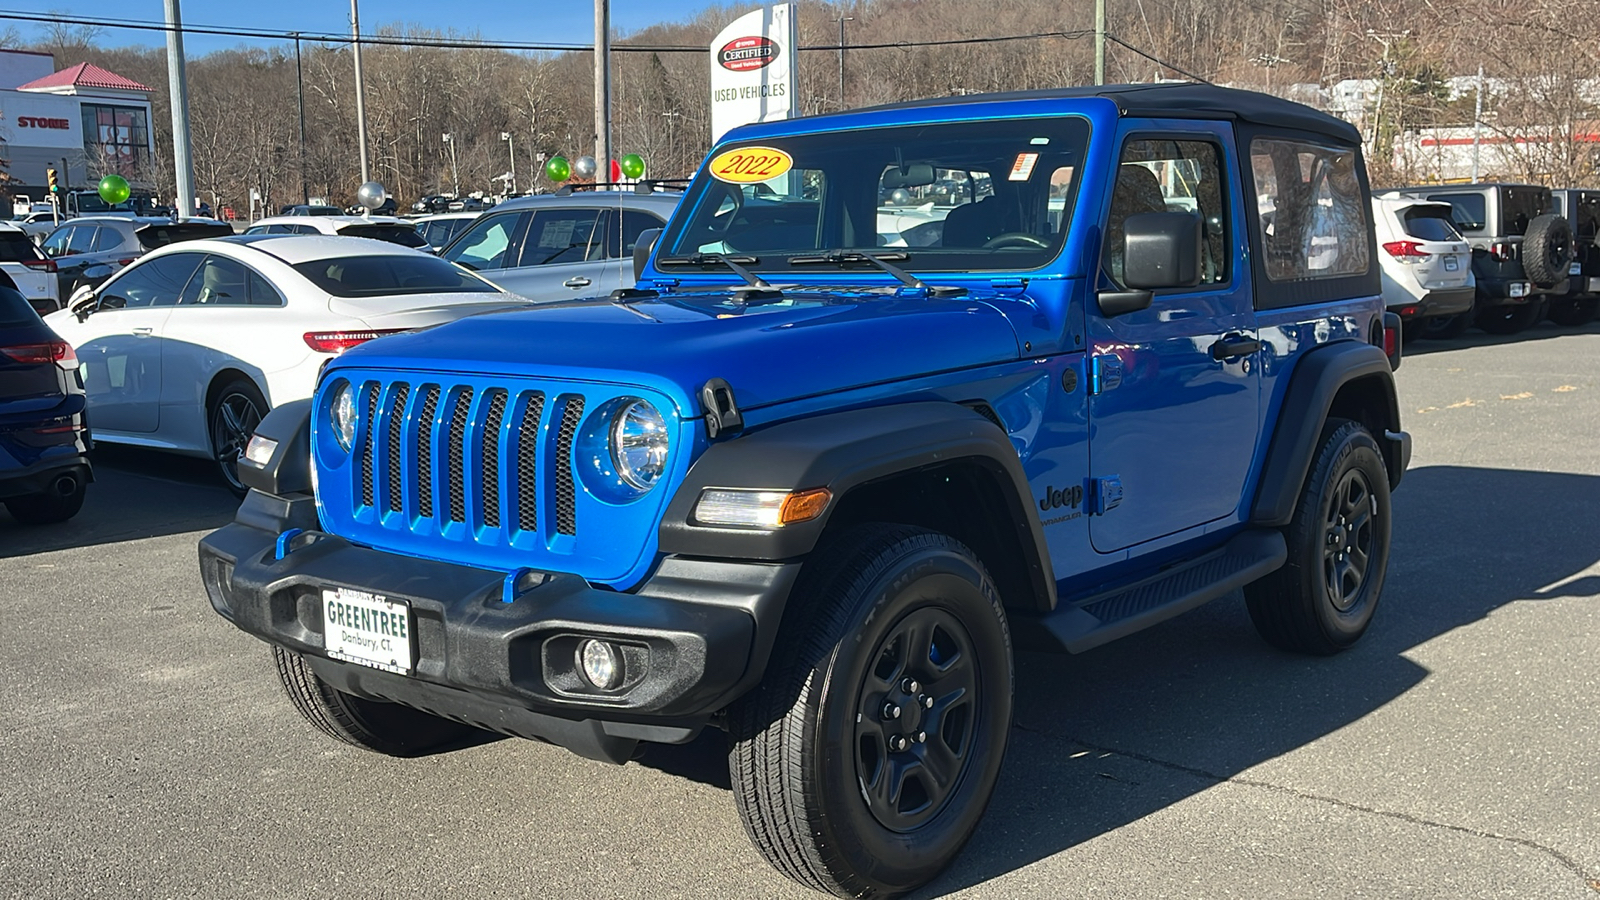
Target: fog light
pixel 260 449
pixel 601 664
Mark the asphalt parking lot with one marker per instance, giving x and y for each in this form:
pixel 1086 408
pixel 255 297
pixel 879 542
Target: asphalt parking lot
pixel 147 752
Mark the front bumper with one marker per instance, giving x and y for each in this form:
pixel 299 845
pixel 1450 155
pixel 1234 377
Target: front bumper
pixel 704 628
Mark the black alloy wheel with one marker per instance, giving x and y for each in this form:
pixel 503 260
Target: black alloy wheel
pixel 1349 538
pixel 235 413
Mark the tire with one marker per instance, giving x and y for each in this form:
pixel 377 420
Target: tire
pixel 387 728
pixel 1510 319
pixel 233 417
pixel 816 755
pixel 1443 328
pixel 1575 312
pixel 1547 250
pixel 1299 607
pixel 53 505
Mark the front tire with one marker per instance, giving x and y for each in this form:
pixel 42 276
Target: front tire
pixel 387 728
pixel 1322 600
pixel 864 760
pixel 234 415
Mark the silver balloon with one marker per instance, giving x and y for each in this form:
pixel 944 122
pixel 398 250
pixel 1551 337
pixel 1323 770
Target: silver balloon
pixel 584 167
pixel 371 195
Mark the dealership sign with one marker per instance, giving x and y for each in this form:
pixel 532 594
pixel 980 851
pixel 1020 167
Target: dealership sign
pixel 46 121
pixel 754 71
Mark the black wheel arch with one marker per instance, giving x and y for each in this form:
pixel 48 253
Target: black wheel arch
pixel 1344 379
pixel 930 464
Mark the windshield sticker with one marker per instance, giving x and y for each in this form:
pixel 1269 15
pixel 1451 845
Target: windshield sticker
pixel 1022 169
pixel 748 165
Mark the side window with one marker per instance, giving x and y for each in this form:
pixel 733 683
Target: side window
pixel 1468 212
pixel 220 282
pixel 261 291
pixel 107 239
pixel 83 239
pixel 562 236
pixel 634 223
pixel 1312 211
pixel 159 282
pixel 56 244
pixel 1170 176
pixel 486 244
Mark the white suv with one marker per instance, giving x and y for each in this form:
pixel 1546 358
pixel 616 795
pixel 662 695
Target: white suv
pixel 1426 264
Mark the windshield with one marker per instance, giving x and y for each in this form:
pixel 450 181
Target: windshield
pixel 375 276
pixel 960 196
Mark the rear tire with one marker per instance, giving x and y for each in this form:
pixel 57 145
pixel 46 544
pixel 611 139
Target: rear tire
pixel 49 507
pixel 1443 328
pixel 835 790
pixel 387 728
pixel 1510 319
pixel 1322 599
pixel 1573 313
pixel 234 415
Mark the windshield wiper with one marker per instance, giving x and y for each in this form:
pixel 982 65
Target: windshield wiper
pixel 735 263
pixel 881 260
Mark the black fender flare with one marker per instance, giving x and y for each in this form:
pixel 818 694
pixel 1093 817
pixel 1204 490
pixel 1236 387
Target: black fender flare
pixel 288 471
pixel 1313 386
pixel 842 451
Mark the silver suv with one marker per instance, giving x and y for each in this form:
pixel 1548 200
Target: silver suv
pixel 555 246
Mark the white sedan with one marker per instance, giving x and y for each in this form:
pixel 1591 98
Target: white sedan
pixel 379 228
pixel 186 349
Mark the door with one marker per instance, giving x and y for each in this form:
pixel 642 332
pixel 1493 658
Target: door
pixel 491 246
pixel 561 255
pixel 1174 405
pixel 119 344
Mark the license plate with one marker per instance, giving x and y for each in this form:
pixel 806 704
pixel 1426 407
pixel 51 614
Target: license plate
pixel 1519 289
pixel 1451 264
pixel 364 628
pixel 1576 269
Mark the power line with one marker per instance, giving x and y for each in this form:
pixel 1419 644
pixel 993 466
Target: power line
pixel 1155 59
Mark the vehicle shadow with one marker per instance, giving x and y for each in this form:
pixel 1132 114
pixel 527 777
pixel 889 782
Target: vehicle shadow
pixel 1543 331
pixel 136 494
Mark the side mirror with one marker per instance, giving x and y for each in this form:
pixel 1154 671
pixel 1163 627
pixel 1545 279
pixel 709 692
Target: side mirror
pixel 642 249
pixel 82 303
pixel 1163 250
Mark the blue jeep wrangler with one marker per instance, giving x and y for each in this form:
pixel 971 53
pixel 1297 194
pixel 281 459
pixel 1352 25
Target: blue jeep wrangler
pixel 896 388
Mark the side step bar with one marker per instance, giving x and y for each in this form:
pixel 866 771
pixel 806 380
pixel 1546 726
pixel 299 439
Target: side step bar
pixel 1101 618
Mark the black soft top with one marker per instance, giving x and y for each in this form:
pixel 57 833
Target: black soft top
pixel 1175 101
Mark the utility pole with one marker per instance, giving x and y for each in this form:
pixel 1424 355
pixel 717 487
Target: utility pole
pixel 361 106
pixel 511 150
pixel 602 90
pixel 1099 41
pixel 1477 125
pixel 184 176
pixel 300 102
pixel 842 20
pixel 455 179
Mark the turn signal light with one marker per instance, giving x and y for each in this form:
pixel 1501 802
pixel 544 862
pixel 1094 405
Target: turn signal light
pixel 1406 251
pixel 804 506
pixel 340 341
pixel 1502 251
pixel 1391 343
pixel 760 509
pixel 58 352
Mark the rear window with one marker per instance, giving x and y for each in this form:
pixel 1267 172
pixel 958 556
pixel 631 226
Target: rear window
pixel 153 236
pixel 14 309
pixel 404 235
pixel 1430 223
pixel 16 247
pixel 375 276
pixel 1469 212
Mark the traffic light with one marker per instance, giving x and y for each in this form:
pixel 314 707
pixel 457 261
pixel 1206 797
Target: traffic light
pixel 50 176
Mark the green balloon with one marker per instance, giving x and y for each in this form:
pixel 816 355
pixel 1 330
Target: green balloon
pixel 632 165
pixel 114 189
pixel 558 169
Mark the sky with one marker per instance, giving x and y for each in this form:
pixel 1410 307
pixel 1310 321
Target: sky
pixel 505 20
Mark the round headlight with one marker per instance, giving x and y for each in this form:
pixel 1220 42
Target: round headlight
pixel 344 416
pixel 639 443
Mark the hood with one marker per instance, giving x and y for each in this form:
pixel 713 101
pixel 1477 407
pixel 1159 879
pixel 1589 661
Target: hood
pixel 811 342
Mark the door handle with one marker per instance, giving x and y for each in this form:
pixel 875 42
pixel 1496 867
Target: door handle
pixel 577 282
pixel 1233 346
pixel 143 330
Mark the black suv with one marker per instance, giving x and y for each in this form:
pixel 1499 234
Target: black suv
pixel 1582 299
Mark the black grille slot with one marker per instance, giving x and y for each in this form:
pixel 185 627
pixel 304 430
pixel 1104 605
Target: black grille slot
pixel 366 444
pixel 454 457
pixel 397 421
pixel 527 481
pixel 489 475
pixel 425 468
pixel 566 511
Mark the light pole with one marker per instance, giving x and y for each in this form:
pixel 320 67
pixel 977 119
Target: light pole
pixel 511 150
pixel 672 116
pixel 455 177
pixel 842 20
pixel 300 101
pixel 361 109
pixel 184 165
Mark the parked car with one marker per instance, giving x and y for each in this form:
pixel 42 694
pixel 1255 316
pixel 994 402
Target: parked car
pixel 431 204
pixel 38 224
pixel 88 249
pixel 1521 252
pixel 1426 264
pixel 380 228
pixel 441 229
pixel 1581 302
pixel 31 272
pixel 302 209
pixel 809 490
pixel 44 432
pixel 187 348
pixel 552 246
